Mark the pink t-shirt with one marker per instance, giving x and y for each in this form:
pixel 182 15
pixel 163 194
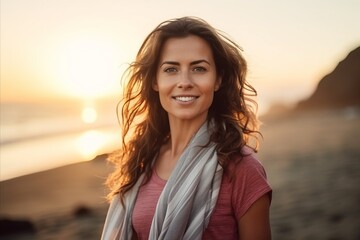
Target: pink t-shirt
pixel 235 198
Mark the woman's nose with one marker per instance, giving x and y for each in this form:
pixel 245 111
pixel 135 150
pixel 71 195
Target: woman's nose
pixel 185 81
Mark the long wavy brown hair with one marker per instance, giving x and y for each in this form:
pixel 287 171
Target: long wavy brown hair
pixel 145 125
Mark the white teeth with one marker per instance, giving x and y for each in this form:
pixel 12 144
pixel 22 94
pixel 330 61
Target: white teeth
pixel 185 99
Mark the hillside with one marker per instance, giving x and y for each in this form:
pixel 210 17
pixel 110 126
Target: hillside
pixel 338 89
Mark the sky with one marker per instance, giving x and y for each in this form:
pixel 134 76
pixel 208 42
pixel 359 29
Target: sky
pixel 78 49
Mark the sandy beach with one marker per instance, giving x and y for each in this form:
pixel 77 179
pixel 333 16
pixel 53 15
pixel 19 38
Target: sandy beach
pixel 63 202
pixel 313 164
pixel 312 161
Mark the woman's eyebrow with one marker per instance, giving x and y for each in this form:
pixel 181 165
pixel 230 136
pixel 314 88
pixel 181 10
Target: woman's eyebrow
pixel 192 63
pixel 170 63
pixel 199 61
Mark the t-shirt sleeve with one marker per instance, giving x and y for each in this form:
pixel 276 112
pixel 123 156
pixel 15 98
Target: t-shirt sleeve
pixel 249 184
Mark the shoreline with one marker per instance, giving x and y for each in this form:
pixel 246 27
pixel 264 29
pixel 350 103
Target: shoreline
pixel 41 154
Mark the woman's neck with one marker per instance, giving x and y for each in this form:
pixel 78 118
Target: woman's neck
pixel 181 133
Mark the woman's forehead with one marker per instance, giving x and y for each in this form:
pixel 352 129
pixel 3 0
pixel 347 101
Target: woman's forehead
pixel 190 48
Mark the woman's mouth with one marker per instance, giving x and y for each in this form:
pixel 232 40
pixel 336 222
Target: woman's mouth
pixel 185 98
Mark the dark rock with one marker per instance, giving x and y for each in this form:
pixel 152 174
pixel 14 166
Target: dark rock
pixel 10 227
pixel 284 229
pixel 338 89
pixel 336 218
pixel 82 211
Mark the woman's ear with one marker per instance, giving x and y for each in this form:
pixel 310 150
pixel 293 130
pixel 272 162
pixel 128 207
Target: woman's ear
pixel 218 83
pixel 155 86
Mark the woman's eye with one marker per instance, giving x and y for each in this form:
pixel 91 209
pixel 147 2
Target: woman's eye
pixel 199 69
pixel 170 70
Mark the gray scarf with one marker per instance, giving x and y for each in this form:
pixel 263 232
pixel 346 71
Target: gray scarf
pixel 185 205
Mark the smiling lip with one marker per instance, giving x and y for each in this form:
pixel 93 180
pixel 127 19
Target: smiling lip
pixel 185 98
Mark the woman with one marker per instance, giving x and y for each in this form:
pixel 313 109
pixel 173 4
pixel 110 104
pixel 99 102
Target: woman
pixel 186 170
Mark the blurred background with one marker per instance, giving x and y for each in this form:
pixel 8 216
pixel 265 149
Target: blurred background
pixel 61 67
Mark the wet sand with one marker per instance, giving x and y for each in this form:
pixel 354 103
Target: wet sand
pixel 312 161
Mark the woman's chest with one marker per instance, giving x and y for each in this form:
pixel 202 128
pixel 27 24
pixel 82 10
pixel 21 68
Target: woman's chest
pixel 222 222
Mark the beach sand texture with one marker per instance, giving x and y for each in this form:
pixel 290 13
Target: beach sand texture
pixel 312 161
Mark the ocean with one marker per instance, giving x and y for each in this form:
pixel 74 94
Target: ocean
pixel 38 137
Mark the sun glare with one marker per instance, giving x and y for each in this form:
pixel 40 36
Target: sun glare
pixel 90 143
pixel 89 115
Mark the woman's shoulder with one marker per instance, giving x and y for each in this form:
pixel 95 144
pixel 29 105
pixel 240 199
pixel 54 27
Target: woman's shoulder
pixel 246 180
pixel 246 159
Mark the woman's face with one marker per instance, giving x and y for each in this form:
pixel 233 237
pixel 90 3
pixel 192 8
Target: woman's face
pixel 186 78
